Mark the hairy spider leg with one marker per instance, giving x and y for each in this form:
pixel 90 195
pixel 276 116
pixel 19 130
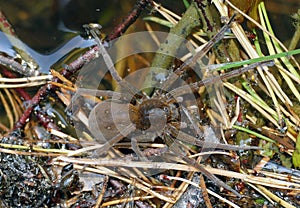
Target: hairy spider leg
pixel 193 60
pixel 184 137
pixel 131 91
pixel 99 93
pixel 231 74
pixel 136 149
pixel 192 120
pixel 94 29
pixel 126 131
pixel 174 146
pixel 209 81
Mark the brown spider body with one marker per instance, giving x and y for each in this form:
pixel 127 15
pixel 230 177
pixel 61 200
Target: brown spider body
pixel 149 116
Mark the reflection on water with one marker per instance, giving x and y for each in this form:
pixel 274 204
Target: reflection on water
pixel 46 24
pixel 45 61
pixel 46 29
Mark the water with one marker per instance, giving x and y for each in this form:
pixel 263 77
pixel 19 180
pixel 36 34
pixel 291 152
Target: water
pixel 45 25
pixel 53 27
pixel 44 61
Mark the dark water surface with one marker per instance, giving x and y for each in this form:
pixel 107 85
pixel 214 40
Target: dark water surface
pixel 51 28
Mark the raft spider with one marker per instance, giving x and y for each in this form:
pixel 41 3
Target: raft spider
pixel 130 113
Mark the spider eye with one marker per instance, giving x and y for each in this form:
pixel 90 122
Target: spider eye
pixel 176 105
pixel 166 109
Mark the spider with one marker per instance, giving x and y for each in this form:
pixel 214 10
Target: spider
pixel 130 113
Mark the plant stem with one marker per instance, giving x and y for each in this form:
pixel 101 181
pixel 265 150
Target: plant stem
pixel 253 133
pixel 167 51
pixel 296 36
pixel 260 59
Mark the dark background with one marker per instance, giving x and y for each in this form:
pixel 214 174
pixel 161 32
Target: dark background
pixel 37 22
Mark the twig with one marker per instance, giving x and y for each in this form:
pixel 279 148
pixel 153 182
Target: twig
pixel 178 192
pixel 43 118
pixel 101 195
pixel 15 66
pixel 129 20
pixel 119 201
pixel 20 91
pixel 275 198
pixel 5 25
pixel 196 185
pixel 29 65
pixel 39 154
pixel 204 192
pixel 33 148
pixel 22 85
pixel 26 79
pixel 7 109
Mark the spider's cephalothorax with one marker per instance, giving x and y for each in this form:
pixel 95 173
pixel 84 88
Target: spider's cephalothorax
pixel 154 113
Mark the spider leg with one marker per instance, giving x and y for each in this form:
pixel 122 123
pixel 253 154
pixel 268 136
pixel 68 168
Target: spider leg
pixel 192 120
pixel 107 145
pixel 179 91
pixel 228 75
pixel 136 149
pixel 93 92
pixel 200 54
pixel 94 30
pixel 184 137
pixel 212 177
pixel 174 146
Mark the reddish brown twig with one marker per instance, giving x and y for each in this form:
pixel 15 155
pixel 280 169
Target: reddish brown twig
pixel 25 68
pixel 129 20
pixel 204 192
pixel 41 94
pixel 79 62
pixel 5 25
pixel 44 119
